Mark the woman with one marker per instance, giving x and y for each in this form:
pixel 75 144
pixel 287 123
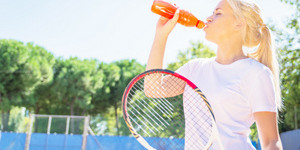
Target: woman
pixel 242 88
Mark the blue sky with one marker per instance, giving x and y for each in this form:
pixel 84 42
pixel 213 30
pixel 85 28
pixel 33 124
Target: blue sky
pixel 108 30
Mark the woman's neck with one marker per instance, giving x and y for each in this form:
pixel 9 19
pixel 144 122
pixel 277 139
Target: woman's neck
pixel 229 52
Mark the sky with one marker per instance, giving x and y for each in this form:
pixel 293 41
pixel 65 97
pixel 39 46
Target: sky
pixel 109 30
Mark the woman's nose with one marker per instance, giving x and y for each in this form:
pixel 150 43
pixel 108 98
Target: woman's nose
pixel 209 19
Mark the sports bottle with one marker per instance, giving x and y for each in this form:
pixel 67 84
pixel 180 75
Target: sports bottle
pixel 167 10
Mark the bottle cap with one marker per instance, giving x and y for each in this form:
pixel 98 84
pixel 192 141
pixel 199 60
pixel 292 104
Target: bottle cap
pixel 200 24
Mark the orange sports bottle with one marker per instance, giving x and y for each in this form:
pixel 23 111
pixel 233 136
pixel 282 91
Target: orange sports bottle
pixel 167 10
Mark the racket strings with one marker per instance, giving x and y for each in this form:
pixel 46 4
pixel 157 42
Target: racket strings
pixel 144 117
pixel 145 107
pixel 166 119
pixel 162 103
pixel 160 95
pixel 154 115
pixel 198 119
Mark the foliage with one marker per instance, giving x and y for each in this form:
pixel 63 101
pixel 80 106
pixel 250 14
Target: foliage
pixel 117 76
pixel 294 21
pixel 23 68
pixel 290 85
pixel 74 83
pixel 290 68
pixel 17 122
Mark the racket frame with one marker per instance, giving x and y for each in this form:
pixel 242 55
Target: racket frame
pixel 140 139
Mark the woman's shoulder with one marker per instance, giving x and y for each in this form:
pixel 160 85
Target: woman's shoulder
pixel 193 64
pixel 200 61
pixel 256 67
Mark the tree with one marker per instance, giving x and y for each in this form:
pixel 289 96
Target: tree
pixel 117 75
pixel 289 56
pixel 101 99
pixel 23 68
pixel 74 83
pixel 290 77
pixel 294 21
pixel 128 70
pixel 71 90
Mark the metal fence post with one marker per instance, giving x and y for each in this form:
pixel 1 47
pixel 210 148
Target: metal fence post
pixel 28 136
pixel 296 118
pixel 85 132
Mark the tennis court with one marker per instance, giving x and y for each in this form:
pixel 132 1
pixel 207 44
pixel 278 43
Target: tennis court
pixel 43 141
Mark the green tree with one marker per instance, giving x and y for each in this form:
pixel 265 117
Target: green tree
pixel 74 83
pixel 23 68
pixel 71 90
pixel 117 75
pixel 289 55
pixel 293 22
pixel 290 85
pixel 101 99
pixel 128 70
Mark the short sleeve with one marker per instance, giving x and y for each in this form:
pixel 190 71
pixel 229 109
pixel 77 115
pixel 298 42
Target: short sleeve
pixel 261 92
pixel 187 68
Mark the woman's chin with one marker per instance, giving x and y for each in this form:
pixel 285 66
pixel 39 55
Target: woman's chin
pixel 209 38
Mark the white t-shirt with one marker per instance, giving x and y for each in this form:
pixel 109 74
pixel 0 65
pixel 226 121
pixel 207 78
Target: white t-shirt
pixel 235 92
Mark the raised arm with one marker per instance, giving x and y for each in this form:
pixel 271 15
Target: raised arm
pixel 155 83
pixel 163 29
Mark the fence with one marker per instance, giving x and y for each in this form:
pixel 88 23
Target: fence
pixel 66 120
pixel 49 132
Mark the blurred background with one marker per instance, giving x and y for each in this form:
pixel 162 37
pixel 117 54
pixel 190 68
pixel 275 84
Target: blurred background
pixel 75 58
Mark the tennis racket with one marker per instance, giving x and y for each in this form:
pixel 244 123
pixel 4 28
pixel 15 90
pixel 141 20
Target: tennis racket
pixel 164 110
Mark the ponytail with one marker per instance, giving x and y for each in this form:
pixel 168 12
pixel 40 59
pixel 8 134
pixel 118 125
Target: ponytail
pixel 257 33
pixel 266 55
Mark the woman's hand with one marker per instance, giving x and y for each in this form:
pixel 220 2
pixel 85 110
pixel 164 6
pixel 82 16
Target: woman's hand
pixel 165 26
pixel 163 29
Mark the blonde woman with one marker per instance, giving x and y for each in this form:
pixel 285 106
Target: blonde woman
pixel 242 88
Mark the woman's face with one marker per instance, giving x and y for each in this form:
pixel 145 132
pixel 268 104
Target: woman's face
pixel 221 25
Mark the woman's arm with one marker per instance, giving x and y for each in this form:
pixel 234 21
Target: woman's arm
pixel 155 83
pixel 267 127
pixel 163 29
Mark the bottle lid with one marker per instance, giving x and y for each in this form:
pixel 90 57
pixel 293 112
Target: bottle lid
pixel 200 24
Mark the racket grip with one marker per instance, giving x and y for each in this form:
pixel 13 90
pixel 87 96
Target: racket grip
pixel 144 143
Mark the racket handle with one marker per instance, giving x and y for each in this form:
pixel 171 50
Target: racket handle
pixel 217 135
pixel 144 143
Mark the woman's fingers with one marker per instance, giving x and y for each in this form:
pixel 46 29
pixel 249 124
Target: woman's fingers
pixel 165 25
pixel 175 17
pixel 172 22
pixel 163 20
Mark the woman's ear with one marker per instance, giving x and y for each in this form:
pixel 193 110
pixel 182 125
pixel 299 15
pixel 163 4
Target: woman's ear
pixel 239 24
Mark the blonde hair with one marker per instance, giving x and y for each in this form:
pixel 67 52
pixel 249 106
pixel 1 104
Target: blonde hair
pixel 256 33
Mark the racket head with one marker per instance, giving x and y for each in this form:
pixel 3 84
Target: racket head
pixel 161 122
